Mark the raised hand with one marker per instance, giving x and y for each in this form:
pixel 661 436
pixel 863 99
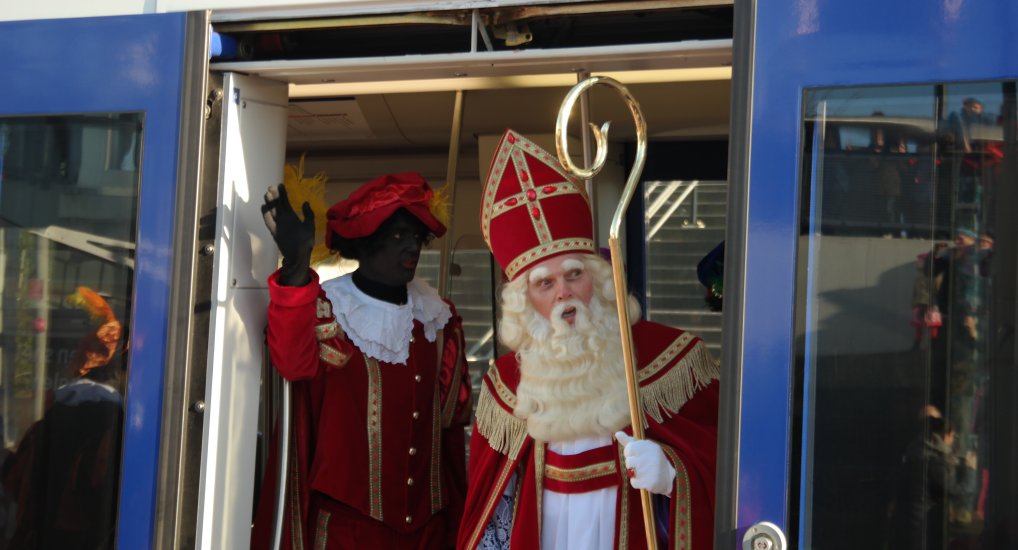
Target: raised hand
pixel 294 237
pixel 647 465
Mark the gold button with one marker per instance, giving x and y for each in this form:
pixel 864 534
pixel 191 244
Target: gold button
pixel 413 451
pixel 416 415
pixel 417 378
pixel 409 519
pixel 409 481
pixel 411 341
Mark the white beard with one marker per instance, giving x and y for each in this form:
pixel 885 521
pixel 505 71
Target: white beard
pixel 573 381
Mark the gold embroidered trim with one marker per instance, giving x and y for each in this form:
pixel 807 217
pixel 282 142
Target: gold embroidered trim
pixel 332 355
pixel 504 393
pixel 623 503
pixel 563 187
pixel 452 396
pixel 538 220
pixel 436 453
pixel 670 392
pixel 322 530
pixel 323 309
pixel 516 497
pixel 493 498
pixel 505 433
pixel 665 357
pixel 682 533
pixel 540 448
pixel 584 473
pixel 327 330
pixel 374 437
pixel 293 484
pixel 557 246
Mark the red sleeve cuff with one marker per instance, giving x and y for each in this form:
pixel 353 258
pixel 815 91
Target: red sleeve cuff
pixel 293 296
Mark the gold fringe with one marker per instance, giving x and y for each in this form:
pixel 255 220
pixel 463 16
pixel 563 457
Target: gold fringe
pixel 669 393
pixel 504 432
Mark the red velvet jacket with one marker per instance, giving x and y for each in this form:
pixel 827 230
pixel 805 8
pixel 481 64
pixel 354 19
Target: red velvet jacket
pixel 385 439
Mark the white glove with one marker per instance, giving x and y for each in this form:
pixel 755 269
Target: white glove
pixel 648 466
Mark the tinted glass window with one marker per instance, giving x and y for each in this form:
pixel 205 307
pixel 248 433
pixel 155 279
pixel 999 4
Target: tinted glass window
pixel 68 200
pixel 905 317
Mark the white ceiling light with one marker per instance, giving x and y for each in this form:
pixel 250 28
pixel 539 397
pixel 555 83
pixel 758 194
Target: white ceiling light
pixel 466 83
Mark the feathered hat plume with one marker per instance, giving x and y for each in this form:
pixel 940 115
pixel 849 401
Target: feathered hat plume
pixel 439 204
pixel 300 189
pixel 96 348
pixel 95 305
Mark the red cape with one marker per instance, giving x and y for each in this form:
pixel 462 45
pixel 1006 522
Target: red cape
pixel 679 390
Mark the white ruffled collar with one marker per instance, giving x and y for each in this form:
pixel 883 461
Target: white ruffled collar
pixel 382 330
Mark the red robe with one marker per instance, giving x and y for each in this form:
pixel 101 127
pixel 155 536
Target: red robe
pixel 679 391
pixel 383 440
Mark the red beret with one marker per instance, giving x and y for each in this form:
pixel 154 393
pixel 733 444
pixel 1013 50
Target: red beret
pixel 360 214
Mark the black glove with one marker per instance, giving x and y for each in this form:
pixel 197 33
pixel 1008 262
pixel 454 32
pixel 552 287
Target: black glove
pixel 294 237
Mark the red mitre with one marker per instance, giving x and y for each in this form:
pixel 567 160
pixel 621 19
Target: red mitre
pixel 360 214
pixel 530 209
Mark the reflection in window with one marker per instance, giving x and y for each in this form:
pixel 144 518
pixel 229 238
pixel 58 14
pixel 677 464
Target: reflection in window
pixel 68 197
pixel 904 336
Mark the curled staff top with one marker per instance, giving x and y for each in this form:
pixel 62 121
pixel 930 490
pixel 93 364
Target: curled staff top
pixel 601 141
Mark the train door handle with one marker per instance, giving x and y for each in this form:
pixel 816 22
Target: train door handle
pixel 764 536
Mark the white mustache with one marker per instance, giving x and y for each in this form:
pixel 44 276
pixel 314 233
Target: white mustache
pixel 559 310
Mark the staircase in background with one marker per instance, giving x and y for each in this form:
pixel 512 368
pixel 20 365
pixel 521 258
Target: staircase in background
pixel 684 221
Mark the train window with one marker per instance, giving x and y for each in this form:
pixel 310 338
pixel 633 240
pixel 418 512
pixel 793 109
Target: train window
pixel 68 201
pixel 905 315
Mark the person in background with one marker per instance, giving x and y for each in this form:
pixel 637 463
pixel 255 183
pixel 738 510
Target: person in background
pixel 710 271
pixel 552 461
pixel 64 477
pixel 380 384
pixel 931 476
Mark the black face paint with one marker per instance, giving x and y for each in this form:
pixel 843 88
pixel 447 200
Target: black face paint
pixel 389 256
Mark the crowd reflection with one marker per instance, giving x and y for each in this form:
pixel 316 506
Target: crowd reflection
pixel 909 208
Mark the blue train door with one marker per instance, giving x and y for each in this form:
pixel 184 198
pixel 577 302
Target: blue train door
pixel 870 343
pixel 96 122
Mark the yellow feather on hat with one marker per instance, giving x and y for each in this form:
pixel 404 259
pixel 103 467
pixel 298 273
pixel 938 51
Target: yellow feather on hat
pixel 439 205
pixel 300 189
pixel 95 349
pixel 90 301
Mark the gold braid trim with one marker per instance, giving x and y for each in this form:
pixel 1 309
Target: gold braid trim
pixel 623 497
pixel 322 530
pixel 670 392
pixel 682 499
pixel 540 448
pixel 505 433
